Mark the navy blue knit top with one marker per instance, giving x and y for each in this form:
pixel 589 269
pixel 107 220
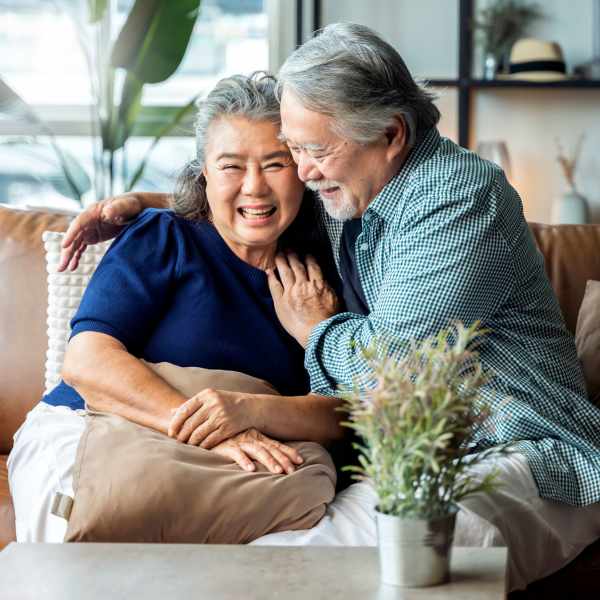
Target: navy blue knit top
pixel 171 290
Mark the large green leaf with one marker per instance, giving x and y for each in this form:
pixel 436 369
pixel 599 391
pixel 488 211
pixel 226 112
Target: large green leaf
pixel 166 128
pixel 96 10
pixel 155 37
pixel 124 115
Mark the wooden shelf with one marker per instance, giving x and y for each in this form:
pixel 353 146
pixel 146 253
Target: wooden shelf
pixel 443 82
pixel 517 83
pixel 465 84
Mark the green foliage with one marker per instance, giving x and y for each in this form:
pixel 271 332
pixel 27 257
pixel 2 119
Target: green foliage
pixel 167 127
pixel 154 38
pixel 96 10
pixel 417 415
pixel 503 22
pixel 148 49
pixel 13 105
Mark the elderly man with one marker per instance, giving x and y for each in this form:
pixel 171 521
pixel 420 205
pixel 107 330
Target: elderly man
pixel 426 233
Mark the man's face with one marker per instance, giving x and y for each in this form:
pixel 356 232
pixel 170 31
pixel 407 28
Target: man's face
pixel 346 174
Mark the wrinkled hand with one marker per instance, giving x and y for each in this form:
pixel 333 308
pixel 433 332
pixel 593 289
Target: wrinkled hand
pixel 97 223
pixel 301 296
pixel 210 417
pixel 253 445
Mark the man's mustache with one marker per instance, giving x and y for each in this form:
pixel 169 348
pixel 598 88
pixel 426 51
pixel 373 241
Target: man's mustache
pixel 321 184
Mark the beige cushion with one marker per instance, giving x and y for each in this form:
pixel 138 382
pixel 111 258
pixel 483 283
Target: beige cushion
pixel 587 339
pixel 133 484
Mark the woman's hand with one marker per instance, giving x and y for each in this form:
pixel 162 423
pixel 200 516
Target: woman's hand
pixel 253 445
pixel 99 222
pixel 301 296
pixel 103 221
pixel 210 417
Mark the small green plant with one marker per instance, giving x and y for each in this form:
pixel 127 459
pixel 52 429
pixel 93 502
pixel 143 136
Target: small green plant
pixel 502 23
pixel 418 415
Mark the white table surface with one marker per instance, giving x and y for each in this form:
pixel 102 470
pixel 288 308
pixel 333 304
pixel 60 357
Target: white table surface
pixel 165 571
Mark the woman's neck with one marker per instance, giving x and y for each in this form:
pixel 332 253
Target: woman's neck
pixel 259 257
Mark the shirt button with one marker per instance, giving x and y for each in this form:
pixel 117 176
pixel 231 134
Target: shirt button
pixel 364 246
pixel 366 216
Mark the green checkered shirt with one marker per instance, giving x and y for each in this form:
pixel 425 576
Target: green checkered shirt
pixel 446 240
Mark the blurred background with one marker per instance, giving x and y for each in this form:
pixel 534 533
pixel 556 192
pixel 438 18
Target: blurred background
pixel 78 114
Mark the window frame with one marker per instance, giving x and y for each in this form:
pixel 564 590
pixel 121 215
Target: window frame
pixel 75 119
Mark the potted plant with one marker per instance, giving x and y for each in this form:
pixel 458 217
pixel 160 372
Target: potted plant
pixel 147 50
pixel 418 415
pixel 498 26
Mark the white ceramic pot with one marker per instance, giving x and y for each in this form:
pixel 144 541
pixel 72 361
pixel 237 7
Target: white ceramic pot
pixel 571 208
pixel 415 552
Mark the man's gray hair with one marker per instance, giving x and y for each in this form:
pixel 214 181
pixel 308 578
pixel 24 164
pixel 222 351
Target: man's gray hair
pixel 349 73
pixel 252 97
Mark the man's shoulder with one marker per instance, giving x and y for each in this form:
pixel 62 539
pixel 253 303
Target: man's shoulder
pixel 453 176
pixel 453 171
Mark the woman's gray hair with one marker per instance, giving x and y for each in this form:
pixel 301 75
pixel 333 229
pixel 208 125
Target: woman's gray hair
pixel 252 97
pixel 349 73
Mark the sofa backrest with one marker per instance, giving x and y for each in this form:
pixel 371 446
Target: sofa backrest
pixel 23 300
pixel 571 257
pixel 570 251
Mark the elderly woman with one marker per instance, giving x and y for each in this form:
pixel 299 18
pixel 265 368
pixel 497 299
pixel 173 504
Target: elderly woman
pixel 190 288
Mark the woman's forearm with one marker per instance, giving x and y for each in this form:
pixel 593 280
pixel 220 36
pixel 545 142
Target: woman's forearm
pixel 308 418
pixel 111 380
pixel 153 199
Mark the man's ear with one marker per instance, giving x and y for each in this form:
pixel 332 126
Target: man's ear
pixel 396 136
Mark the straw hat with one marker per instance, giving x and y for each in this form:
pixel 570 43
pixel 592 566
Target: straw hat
pixel 536 60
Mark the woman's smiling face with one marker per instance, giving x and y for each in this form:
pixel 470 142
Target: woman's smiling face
pixel 252 186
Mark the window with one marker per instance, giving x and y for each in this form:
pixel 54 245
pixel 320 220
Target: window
pixel 41 58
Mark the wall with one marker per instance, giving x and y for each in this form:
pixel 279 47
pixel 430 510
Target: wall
pixel 425 34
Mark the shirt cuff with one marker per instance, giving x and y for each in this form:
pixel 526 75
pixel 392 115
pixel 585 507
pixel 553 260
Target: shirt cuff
pixel 98 327
pixel 320 381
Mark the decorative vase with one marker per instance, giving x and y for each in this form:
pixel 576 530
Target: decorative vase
pixel 415 552
pixel 490 66
pixel 571 208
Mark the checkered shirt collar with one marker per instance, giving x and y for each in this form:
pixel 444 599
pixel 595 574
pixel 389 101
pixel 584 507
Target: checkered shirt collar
pixel 385 204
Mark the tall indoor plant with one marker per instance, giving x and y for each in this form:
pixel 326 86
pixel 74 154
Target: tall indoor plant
pixel 147 50
pixel 418 415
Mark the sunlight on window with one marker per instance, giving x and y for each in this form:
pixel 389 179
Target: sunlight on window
pixel 42 59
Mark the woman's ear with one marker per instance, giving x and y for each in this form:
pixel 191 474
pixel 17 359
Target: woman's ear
pixel 396 136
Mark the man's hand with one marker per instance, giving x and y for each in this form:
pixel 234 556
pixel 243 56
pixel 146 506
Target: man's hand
pixel 210 417
pixel 97 223
pixel 301 296
pixel 252 444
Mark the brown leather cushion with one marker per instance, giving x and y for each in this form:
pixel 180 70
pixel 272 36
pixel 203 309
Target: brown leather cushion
pixel 572 257
pixel 23 301
pixel 587 339
pixel 7 514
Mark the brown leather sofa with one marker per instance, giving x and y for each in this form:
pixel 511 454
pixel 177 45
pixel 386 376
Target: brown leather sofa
pixel 571 254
